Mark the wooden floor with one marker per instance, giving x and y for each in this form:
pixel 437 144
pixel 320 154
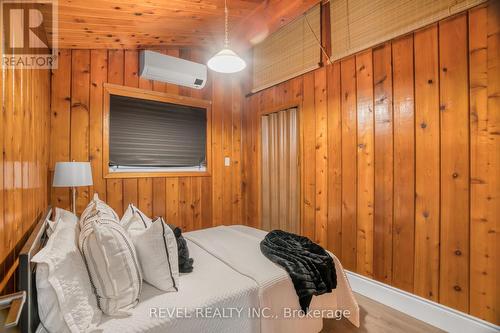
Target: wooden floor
pixel 375 318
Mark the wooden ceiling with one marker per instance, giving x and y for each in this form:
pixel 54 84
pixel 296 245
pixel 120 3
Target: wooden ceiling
pixel 170 23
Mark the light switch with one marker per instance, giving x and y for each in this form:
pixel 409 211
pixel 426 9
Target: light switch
pixel 227 161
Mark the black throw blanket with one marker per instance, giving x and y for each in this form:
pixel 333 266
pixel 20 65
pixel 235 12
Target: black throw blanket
pixel 185 263
pixel 310 267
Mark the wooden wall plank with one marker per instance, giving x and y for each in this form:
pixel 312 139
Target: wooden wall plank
pixel 251 188
pixel 383 168
pixel 3 246
pixel 236 171
pixel 130 79
pixel 454 284
pixel 308 180
pixel 321 181
pixel 80 115
pixel 334 235
pixel 427 179
pixel 26 143
pixel 349 163
pixel 114 187
pixel 130 192
pixel 172 201
pixel 217 150
pixel 159 197
pixel 206 202
pixel 8 162
pixel 116 66
pixel 145 195
pixel 131 68
pixel 227 147
pixel 114 194
pixel 60 122
pixel 484 89
pixel 404 165
pixel 185 213
pixel 196 202
pixel 98 76
pixel 365 174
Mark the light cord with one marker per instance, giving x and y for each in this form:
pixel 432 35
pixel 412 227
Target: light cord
pixel 226 30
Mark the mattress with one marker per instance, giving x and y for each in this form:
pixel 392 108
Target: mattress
pixel 213 287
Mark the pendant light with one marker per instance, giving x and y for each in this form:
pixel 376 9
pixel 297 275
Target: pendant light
pixel 226 60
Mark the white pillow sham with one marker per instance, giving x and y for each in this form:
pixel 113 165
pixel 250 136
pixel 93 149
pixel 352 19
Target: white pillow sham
pixel 97 204
pixel 134 219
pixel 66 301
pixel 65 217
pixel 156 248
pixel 111 262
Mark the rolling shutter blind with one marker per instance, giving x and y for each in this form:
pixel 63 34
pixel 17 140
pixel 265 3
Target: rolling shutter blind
pixel 146 133
pixel 289 52
pixel 359 24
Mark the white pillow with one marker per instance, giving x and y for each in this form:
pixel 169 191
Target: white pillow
pixel 134 219
pixel 98 205
pixel 111 261
pixel 66 302
pixel 65 216
pixel 156 248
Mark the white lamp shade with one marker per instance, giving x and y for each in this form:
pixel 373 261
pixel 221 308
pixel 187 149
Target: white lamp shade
pixel 72 174
pixel 226 61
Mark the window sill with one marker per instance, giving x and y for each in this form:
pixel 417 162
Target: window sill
pixel 153 173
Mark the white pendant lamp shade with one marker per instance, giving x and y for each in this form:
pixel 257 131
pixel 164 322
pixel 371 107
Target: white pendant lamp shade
pixel 226 61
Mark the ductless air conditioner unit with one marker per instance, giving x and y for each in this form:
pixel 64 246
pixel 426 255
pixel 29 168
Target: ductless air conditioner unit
pixel 161 67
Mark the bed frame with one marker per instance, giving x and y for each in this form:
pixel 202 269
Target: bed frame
pixel 27 282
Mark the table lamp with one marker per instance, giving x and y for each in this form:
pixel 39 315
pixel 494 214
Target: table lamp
pixel 72 174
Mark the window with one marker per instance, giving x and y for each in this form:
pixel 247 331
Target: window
pixel 150 133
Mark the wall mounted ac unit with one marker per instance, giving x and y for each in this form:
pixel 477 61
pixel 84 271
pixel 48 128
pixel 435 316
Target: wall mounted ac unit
pixel 161 67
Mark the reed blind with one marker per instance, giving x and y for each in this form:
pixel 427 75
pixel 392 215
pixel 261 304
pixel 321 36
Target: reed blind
pixel 146 133
pixel 360 24
pixel 288 52
pixel 280 171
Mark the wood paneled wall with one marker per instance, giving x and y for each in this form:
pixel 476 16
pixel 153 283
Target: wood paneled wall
pixel 76 134
pixel 400 160
pixel 24 139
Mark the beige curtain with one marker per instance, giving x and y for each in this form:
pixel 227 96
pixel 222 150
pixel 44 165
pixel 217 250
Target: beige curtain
pixel 289 52
pixel 359 24
pixel 280 171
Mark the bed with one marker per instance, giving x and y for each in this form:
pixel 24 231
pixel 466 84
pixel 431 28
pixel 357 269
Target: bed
pixel 233 288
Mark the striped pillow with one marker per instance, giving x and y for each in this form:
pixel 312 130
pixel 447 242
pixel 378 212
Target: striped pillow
pixel 111 261
pixel 156 248
pixel 99 205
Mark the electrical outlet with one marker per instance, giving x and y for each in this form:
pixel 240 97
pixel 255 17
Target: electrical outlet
pixel 227 161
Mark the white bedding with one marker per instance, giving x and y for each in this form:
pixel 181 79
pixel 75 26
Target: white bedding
pixel 230 272
pixel 238 247
pixel 212 284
